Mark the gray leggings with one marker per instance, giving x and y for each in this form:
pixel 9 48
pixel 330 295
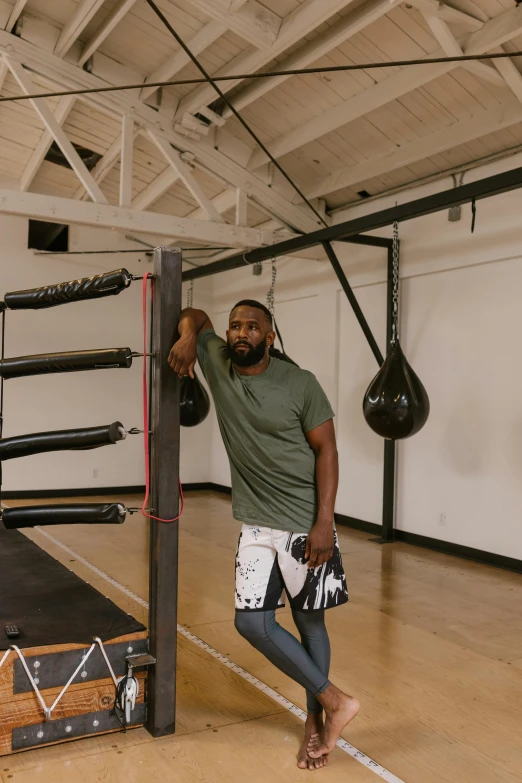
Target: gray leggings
pixel 307 663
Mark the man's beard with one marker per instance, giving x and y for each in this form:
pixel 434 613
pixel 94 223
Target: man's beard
pixel 253 356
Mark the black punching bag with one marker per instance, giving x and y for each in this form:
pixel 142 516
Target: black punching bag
pixel 194 403
pixel 396 404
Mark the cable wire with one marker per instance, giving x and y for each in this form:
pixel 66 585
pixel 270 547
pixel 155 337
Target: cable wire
pixel 266 75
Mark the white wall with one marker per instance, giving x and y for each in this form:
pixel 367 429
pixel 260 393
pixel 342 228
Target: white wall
pixel 459 478
pixel 79 399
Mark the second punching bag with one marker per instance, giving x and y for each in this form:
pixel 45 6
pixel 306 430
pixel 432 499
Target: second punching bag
pixel 396 404
pixel 194 403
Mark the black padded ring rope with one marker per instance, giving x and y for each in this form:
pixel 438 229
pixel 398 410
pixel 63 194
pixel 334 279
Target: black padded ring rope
pixel 76 361
pixel 2 392
pixel 74 514
pixel 107 284
pixel 2 381
pixel 61 440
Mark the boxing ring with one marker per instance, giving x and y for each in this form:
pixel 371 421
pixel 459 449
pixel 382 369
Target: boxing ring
pixel 72 663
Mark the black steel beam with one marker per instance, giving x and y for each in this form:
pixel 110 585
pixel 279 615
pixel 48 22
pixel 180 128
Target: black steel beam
pixel 164 465
pixel 353 301
pixel 483 188
pixel 364 239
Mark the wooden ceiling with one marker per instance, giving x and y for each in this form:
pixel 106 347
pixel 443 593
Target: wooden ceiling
pixel 341 136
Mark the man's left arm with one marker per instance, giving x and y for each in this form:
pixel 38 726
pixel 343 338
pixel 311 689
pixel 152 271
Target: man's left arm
pixel 320 541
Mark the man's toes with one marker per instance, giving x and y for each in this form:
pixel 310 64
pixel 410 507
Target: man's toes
pixel 302 764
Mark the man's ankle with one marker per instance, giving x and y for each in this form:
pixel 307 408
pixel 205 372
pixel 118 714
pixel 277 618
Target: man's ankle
pixel 328 698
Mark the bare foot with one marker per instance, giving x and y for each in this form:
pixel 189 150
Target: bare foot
pixel 340 710
pixel 313 739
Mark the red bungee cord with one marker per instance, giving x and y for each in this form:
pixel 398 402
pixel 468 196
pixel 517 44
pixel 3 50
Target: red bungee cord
pixel 146 411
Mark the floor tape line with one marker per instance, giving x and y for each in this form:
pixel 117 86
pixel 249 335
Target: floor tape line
pixel 277 697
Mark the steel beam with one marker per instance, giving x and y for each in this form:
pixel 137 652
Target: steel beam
pixel 353 301
pixel 474 191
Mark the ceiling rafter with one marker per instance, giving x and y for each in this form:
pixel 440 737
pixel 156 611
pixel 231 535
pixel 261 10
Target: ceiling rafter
pixel 494 33
pixel 462 132
pixel 105 29
pixel 127 154
pixel 63 110
pixel 73 29
pixel 241 208
pixel 311 51
pixel 156 189
pixel 185 175
pixel 65 210
pixel 106 163
pixel 15 15
pixel 251 20
pixel 470 21
pixel 201 40
pixel 452 48
pixel 510 74
pixel 301 22
pixel 468 7
pixel 222 202
pixel 55 129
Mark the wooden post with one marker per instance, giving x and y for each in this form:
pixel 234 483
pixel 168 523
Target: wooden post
pixel 164 466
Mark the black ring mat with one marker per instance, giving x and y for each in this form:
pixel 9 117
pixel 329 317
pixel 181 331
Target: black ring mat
pixel 50 604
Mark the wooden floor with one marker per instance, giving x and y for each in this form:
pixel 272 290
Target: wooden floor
pixel 430 644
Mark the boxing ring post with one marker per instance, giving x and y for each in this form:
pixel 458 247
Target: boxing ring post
pixel 164 467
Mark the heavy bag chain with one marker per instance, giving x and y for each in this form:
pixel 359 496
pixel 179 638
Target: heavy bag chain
pixel 270 297
pixel 190 294
pixel 395 266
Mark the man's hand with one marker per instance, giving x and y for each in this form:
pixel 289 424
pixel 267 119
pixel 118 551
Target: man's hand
pixel 182 356
pixel 319 544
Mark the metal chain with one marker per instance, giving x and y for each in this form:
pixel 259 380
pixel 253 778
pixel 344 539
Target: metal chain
pixel 190 294
pixel 270 297
pixel 395 252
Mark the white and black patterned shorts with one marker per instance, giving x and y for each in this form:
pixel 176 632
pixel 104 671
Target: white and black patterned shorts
pixel 270 563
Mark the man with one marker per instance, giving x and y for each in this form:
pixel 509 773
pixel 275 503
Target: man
pixel 277 427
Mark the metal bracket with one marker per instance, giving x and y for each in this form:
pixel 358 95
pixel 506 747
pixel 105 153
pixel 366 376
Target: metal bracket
pixel 71 728
pixel 53 670
pixel 135 661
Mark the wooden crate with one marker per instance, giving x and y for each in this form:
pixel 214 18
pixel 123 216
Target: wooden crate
pixel 18 710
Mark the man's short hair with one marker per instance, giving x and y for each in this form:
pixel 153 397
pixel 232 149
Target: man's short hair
pixel 257 305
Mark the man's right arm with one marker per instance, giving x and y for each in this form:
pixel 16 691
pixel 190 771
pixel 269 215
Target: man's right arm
pixel 182 356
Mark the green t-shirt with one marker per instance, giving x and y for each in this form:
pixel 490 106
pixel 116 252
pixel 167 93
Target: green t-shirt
pixel 263 420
